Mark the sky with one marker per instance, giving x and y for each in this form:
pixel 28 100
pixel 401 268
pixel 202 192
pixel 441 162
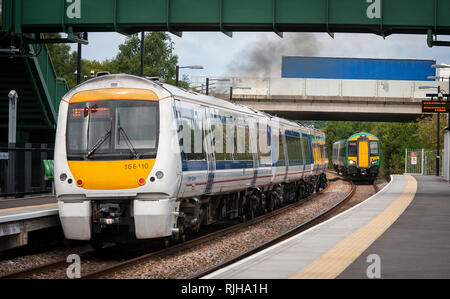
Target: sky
pixel 259 54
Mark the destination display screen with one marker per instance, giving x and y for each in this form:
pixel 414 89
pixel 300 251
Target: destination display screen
pixel 83 112
pixel 435 106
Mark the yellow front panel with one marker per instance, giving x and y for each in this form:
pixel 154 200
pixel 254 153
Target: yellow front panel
pixel 111 175
pixel 363 153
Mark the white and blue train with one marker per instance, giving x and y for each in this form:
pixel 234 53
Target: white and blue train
pixel 139 159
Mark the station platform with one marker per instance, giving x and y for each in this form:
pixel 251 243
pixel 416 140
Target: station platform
pixel 20 216
pixel 403 231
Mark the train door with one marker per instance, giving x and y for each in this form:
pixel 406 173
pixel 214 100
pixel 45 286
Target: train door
pixel 363 153
pixel 204 112
pixel 192 134
pixel 307 154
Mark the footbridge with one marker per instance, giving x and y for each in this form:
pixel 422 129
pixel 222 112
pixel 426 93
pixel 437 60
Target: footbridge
pixel 333 99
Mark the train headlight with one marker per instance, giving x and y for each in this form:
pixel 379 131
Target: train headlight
pixel 375 162
pixel 351 162
pixel 63 177
pixel 159 174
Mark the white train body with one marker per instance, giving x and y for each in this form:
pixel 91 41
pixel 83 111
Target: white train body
pixel 140 158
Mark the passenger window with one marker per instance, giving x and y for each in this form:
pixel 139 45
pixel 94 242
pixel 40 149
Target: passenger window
pixel 294 149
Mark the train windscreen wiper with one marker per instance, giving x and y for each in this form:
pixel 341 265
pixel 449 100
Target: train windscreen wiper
pixel 127 139
pixel 98 144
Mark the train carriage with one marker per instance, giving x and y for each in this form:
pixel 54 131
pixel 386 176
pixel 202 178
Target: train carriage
pixel 139 159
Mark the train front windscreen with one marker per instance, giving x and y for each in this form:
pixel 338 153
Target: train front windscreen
pixel 110 130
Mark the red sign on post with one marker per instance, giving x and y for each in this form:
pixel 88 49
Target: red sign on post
pixel 414 158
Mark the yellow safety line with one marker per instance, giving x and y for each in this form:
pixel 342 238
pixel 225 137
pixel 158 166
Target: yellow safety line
pixel 337 259
pixel 29 207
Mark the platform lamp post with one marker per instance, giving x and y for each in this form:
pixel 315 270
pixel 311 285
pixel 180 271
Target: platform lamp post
pixel 78 72
pixel 177 70
pixel 438 155
pixel 12 128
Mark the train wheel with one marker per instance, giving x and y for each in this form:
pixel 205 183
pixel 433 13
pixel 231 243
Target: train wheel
pixel 183 238
pixel 243 218
pixel 270 205
pixel 166 242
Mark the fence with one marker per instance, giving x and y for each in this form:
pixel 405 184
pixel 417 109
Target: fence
pixel 421 161
pixel 21 169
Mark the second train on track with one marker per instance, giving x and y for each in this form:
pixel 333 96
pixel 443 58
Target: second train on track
pixel 357 157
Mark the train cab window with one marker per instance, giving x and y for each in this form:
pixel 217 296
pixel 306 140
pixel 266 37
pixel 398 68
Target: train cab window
pixel 374 148
pixel 352 149
pixel 133 123
pixel 111 130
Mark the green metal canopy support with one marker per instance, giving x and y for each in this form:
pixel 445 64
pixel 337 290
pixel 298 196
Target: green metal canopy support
pixel 382 17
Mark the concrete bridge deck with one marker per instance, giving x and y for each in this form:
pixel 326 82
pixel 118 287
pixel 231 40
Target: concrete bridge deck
pixel 332 99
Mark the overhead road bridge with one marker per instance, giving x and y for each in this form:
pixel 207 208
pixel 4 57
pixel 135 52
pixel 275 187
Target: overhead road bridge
pixel 333 99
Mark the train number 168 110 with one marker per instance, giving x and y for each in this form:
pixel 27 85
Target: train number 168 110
pixel 131 166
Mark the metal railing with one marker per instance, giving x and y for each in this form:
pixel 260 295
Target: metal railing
pixel 421 161
pixel 54 86
pixel 21 169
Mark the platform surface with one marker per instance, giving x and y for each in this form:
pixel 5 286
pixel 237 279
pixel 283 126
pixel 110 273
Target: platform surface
pixel 408 220
pixel 417 245
pixel 27 208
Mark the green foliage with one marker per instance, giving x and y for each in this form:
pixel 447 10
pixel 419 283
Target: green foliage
pixel 159 59
pixel 318 124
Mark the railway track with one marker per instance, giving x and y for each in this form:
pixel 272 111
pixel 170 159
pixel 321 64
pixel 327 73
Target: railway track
pixel 192 243
pixel 300 228
pixel 103 271
pixel 345 204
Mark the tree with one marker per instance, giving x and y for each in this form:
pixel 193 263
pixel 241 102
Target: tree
pixel 426 133
pixel 159 59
